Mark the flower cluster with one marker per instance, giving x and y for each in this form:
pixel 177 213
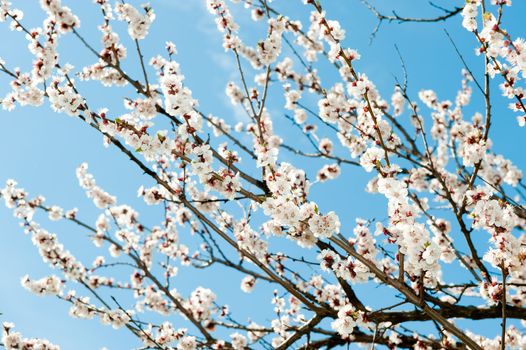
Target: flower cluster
pixel 65 20
pixel 324 226
pixel 496 43
pixel 178 99
pixel 51 285
pixel 64 97
pixel 138 24
pixel 499 220
pixel 224 19
pixel 13 340
pixel 270 49
pixel 201 303
pixel 100 198
pixel 469 15
pixel 348 319
pixel 328 172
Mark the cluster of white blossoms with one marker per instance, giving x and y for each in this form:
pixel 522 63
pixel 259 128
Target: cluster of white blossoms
pixel 25 92
pixel 515 339
pixel 496 44
pixel 328 30
pixel 224 19
pixel 371 158
pixel 113 52
pixel 187 343
pixel 51 285
pixel 219 126
pixel 499 219
pixel 398 101
pixel 283 322
pixel 351 269
pixel 287 208
pixel 138 24
pixel 352 116
pixel 64 18
pixel 178 99
pixel 292 96
pixel 266 51
pixel 441 229
pixel 25 86
pixel 164 335
pixel 265 143
pixel 46 56
pixel 472 144
pixel 12 340
pixel 421 252
pixel 334 105
pixel 50 249
pixel 269 49
pixel 492 292
pixel 201 303
pixel 249 240
pixel 239 341
pixel 234 93
pixel 64 98
pixel 100 198
pixel 349 319
pixel 116 318
pixel 15 198
pixel 469 14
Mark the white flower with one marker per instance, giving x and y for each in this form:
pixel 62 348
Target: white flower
pixel 187 343
pixel 239 342
pixel 371 158
pixel 328 172
pixel 324 226
pixel 248 283
pixel 116 318
pixel 55 213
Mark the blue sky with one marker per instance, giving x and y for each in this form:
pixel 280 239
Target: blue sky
pixel 41 149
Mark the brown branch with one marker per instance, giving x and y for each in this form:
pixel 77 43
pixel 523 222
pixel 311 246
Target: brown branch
pixel 307 328
pixel 401 19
